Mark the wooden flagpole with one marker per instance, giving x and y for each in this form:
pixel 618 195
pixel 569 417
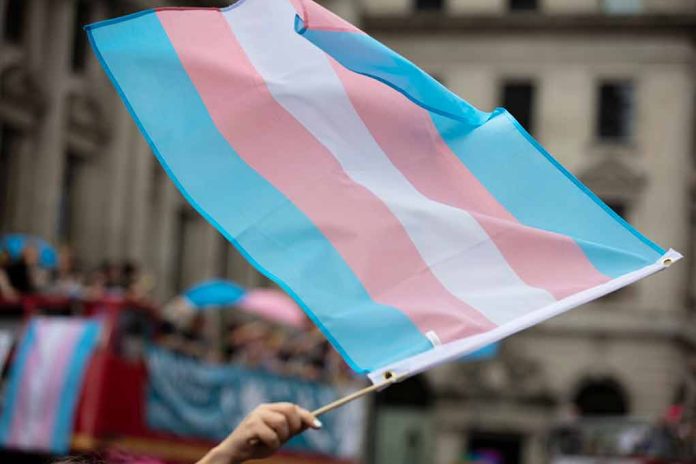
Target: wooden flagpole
pixel 347 399
pixel 390 379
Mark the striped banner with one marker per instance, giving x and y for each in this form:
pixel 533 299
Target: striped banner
pixel 412 227
pixel 45 383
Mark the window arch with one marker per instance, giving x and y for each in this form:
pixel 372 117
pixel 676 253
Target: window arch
pixel 602 396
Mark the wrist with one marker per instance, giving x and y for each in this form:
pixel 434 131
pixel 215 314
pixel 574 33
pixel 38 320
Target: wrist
pixel 218 456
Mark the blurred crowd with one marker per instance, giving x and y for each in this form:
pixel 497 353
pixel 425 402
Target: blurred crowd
pixel 232 336
pixel 24 275
pixel 226 335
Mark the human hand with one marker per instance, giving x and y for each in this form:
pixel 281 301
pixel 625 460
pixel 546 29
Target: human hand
pixel 262 433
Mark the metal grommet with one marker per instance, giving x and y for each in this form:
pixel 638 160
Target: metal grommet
pixel 388 375
pixel 667 262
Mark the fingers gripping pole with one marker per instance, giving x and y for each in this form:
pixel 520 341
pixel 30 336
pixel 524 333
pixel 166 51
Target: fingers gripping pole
pixel 389 377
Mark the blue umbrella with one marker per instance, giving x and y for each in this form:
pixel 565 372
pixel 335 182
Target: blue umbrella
pixel 14 245
pixel 214 294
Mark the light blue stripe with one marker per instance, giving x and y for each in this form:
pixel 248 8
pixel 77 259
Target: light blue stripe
pixel 365 55
pixel 72 387
pixel 512 166
pixel 268 229
pixel 540 193
pixel 16 374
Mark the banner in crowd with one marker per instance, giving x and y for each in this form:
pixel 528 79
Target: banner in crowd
pixel 45 383
pixel 198 400
pixel 412 227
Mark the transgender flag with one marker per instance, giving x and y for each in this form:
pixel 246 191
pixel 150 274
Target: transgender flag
pixel 45 383
pixel 412 227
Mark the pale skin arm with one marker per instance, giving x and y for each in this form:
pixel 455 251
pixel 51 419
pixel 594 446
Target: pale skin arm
pixel 262 433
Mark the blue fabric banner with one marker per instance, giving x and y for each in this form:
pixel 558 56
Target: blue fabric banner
pixel 198 400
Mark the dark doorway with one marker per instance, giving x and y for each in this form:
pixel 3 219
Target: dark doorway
pixel 500 448
pixel 602 397
pixel 400 426
pixel 413 392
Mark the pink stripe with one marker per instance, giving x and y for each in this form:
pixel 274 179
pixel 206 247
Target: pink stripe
pixel 542 259
pixel 363 230
pixel 54 368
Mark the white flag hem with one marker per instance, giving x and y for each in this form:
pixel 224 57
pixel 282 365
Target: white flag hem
pixel 453 350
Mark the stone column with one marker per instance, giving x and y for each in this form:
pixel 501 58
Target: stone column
pixel 25 150
pixel 140 176
pixel 90 200
pixel 449 446
pixel 34 33
pixel 117 156
pixel 163 231
pixel 50 143
pixel 210 250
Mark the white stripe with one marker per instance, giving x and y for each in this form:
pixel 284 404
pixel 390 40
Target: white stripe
pixel 455 350
pixel 49 336
pixel 451 242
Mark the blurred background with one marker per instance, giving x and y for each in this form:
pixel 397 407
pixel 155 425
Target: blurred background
pixel 607 86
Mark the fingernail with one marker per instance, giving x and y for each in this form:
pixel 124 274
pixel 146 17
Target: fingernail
pixel 317 423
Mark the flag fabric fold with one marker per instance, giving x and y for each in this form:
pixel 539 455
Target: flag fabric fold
pixel 411 227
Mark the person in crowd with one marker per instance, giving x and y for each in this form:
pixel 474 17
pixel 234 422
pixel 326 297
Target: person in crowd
pixel 113 279
pixel 262 433
pixel 136 285
pixel 7 291
pixel 67 280
pixel 95 287
pixel 24 273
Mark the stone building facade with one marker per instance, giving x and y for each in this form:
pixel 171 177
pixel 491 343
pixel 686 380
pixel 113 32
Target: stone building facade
pixel 554 64
pixel 607 86
pixel 74 168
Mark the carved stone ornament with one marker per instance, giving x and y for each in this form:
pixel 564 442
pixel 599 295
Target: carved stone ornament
pixel 86 119
pixel 613 178
pixel 511 377
pixel 20 90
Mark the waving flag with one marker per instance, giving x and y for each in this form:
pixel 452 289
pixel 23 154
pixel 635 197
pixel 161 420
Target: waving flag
pixel 412 227
pixel 45 383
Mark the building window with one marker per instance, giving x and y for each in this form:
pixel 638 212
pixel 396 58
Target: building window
pixel 522 5
pixel 430 5
pixel 518 99
pixel 79 52
pixel 615 110
pixel 14 20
